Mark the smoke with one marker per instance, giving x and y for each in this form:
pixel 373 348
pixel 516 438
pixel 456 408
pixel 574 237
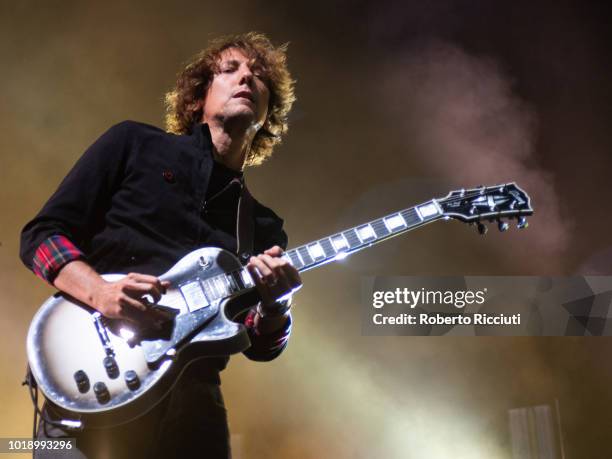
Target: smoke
pixel 460 114
pixel 396 405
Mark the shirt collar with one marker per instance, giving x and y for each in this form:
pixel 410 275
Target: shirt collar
pixel 200 133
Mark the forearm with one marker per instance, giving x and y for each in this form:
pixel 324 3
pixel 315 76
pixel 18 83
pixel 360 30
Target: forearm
pixel 60 263
pixel 79 280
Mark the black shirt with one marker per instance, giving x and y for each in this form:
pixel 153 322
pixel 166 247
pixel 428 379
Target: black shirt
pixel 137 201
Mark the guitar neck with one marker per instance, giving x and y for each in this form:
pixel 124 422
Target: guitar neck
pixel 340 245
pixel 470 206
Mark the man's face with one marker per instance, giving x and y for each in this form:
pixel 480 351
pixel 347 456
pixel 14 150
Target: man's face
pixel 237 91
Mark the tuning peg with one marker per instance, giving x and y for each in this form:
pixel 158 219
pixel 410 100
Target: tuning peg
pixel 502 226
pixel 522 223
pixel 482 229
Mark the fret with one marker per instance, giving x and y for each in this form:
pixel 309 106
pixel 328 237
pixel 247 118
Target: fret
pixel 304 255
pixel 246 278
pixel 394 222
pixel 339 243
pixel 427 210
pixel 410 217
pixel 352 238
pixel 366 232
pixel 379 228
pixel 231 283
pixel 295 260
pixel 316 251
pixel 236 281
pixel 327 247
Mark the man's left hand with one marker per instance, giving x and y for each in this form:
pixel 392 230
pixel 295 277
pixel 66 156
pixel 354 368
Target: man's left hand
pixel 274 276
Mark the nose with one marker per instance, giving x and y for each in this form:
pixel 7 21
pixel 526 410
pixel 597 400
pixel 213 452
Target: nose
pixel 246 75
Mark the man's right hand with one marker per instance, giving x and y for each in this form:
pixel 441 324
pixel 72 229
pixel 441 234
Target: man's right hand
pixel 122 299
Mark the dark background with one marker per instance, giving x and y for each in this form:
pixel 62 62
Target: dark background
pixel 398 102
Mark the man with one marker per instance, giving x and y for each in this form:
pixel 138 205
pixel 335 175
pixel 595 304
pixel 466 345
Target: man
pixel 140 198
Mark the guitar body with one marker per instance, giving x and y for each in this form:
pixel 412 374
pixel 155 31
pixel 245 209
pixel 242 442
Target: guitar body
pixel 68 343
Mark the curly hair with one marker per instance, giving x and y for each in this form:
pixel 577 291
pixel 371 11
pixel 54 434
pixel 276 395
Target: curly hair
pixel 182 103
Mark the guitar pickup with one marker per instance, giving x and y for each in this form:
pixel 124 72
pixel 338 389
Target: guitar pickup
pixel 194 295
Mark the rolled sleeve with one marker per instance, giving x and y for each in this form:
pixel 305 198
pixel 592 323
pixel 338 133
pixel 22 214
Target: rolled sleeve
pixel 51 256
pixel 268 346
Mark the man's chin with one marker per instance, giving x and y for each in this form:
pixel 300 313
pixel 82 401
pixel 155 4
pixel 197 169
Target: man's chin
pixel 245 118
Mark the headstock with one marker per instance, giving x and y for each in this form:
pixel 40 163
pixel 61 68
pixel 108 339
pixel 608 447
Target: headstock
pixel 499 202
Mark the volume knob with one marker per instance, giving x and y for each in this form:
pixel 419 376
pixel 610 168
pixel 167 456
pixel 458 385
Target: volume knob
pixel 132 380
pixel 82 381
pixel 110 365
pixel 101 392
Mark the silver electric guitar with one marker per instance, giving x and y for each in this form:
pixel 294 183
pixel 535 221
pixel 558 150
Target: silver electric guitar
pixel 109 371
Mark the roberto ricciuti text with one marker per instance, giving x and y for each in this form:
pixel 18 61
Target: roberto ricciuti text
pixel 442 319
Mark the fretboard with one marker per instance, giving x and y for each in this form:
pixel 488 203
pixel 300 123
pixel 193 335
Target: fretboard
pixel 339 245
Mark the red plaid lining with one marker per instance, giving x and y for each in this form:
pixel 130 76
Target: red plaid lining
pixel 52 255
pixel 266 345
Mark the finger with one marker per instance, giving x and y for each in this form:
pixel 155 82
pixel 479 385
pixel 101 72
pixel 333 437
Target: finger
pixel 137 312
pixel 147 279
pixel 131 304
pixel 143 277
pixel 293 276
pixel 262 288
pixel 277 269
pixel 274 263
pixel 265 272
pixel 282 287
pixel 138 289
pixel 281 267
pixel 275 251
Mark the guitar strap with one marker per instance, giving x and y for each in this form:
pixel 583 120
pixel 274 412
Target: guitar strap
pixel 245 224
